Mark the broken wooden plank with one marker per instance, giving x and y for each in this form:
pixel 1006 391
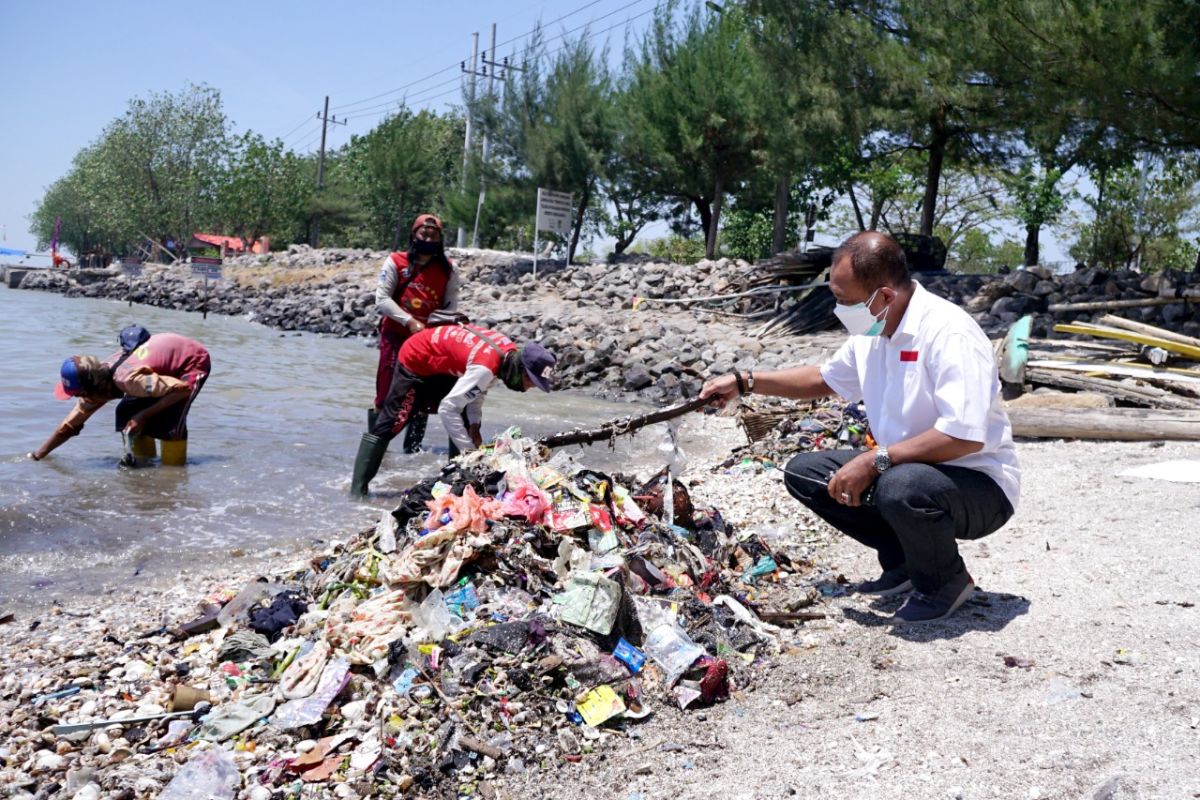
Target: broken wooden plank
pixel 1110 305
pixel 1130 369
pixel 1109 424
pixel 1148 396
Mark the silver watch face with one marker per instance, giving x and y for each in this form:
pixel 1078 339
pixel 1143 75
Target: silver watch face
pixel 882 460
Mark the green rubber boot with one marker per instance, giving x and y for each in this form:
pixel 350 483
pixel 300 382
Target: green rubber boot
pixel 366 464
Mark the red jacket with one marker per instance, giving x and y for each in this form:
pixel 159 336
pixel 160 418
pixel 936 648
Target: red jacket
pixel 423 295
pixel 450 349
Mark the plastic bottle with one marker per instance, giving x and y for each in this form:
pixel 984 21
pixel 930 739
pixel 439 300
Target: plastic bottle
pixel 210 775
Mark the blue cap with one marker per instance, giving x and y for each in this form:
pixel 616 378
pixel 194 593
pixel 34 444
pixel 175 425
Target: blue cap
pixel 71 383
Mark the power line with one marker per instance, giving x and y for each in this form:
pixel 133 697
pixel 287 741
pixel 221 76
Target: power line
pixel 397 89
pixel 650 10
pixel 298 127
pixel 551 22
pixel 452 66
pixel 303 134
pixel 362 111
pixel 418 99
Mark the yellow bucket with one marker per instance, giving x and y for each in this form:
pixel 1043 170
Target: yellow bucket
pixel 174 453
pixel 143 447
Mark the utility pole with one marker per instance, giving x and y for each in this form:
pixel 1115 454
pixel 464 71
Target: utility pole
pixel 503 67
pixel 462 232
pixel 325 120
pixel 491 95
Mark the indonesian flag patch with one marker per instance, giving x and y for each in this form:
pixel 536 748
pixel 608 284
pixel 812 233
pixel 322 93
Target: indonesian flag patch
pixel 908 355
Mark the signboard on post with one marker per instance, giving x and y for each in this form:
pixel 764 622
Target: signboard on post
pixel 131 266
pixel 209 269
pixel 553 214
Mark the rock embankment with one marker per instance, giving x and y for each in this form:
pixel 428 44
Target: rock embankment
pixel 586 314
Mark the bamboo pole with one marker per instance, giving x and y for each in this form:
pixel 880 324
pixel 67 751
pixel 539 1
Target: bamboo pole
pixel 1108 305
pixel 1150 330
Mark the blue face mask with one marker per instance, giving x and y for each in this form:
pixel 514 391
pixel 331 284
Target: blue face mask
pixel 859 320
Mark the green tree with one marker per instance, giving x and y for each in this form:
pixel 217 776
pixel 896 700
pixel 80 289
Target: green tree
pixel 163 160
pixel 1124 65
pixel 695 126
pixel 1144 218
pixel 570 137
pixel 263 190
pixel 403 167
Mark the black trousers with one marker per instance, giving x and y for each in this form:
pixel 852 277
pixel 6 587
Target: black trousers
pixel 169 424
pixel 919 512
pixel 408 398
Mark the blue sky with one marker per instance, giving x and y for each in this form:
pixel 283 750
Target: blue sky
pixel 71 67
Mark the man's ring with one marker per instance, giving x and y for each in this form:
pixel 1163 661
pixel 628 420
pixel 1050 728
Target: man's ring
pixel 845 496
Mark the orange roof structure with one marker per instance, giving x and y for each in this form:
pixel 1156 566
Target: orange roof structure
pixel 231 244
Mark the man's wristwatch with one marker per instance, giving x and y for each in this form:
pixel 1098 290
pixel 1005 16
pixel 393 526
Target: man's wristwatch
pixel 882 460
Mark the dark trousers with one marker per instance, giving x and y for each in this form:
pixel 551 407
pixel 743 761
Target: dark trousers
pixel 169 424
pixel 919 512
pixel 408 401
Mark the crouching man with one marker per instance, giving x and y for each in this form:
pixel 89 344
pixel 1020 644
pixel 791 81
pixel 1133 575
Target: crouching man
pixel 945 468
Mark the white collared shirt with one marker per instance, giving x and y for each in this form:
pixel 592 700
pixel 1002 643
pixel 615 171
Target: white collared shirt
pixel 936 371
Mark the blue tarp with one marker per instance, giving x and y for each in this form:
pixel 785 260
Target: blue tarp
pixel 8 251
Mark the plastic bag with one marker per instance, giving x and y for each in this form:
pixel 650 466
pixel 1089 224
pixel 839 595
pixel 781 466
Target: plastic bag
pixel 295 713
pixel 210 775
pixel 590 601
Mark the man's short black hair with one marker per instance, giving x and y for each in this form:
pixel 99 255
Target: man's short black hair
pixel 875 259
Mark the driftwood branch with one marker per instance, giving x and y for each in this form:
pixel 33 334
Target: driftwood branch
pixel 625 425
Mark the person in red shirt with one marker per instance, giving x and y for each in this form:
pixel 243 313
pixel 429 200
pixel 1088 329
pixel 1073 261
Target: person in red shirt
pixel 156 382
pixel 449 368
pixel 411 286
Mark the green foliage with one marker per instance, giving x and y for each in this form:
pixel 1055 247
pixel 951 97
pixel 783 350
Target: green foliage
pixel 1141 214
pixel 400 169
pixel 263 191
pixel 747 234
pixel 976 252
pixel 153 172
pixel 673 249
pixel 695 126
pixel 927 115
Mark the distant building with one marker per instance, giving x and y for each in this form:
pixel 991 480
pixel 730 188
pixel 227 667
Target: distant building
pixel 228 245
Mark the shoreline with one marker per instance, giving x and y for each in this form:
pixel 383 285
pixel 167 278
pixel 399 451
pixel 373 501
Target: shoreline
pixel 658 352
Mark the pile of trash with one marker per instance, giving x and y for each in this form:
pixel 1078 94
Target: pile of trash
pixel 511 612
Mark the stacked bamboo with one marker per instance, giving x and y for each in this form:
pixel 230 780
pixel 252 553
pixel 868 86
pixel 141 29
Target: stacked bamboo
pixel 1145 380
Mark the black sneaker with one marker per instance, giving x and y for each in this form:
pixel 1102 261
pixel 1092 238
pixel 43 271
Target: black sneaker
pixel 921 607
pixel 892 581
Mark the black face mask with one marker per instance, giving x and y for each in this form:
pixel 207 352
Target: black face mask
pixel 424 248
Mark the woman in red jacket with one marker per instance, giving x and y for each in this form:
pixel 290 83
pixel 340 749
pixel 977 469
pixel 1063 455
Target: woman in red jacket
pixel 411 286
